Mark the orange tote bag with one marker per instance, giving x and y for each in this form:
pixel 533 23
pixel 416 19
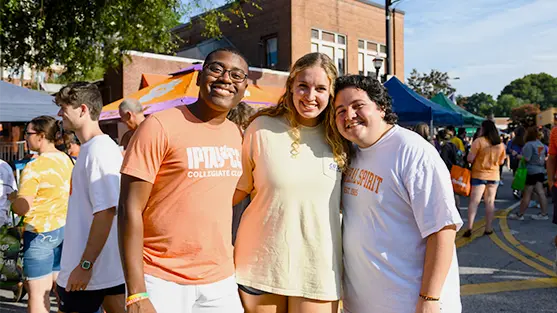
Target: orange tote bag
pixel 460 177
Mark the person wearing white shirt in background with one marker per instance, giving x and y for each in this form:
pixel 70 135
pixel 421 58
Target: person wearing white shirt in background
pixel 91 270
pixel 9 185
pixel 399 216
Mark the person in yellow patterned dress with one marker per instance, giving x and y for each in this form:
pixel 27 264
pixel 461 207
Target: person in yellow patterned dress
pixel 42 200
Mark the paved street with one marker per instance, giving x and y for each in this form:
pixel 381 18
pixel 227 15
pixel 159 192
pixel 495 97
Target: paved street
pixel 508 271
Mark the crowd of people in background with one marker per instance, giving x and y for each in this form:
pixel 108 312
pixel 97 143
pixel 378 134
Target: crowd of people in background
pixel 217 207
pixel 487 152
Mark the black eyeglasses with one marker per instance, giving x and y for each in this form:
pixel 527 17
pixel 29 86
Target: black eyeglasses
pixel 29 133
pixel 216 70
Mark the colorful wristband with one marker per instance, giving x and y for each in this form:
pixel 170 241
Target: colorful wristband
pixel 136 298
pixel 428 298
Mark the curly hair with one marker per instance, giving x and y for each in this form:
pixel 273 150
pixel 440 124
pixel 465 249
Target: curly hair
pixel 375 91
pixel 285 107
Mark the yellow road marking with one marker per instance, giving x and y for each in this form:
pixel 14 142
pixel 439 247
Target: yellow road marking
pixel 513 285
pixel 510 238
pixel 478 229
pixel 519 256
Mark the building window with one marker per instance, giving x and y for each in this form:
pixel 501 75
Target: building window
pixel 314 47
pixel 383 49
pixel 271 52
pixel 341 61
pixel 315 33
pixel 366 56
pixel 330 37
pixel 331 44
pixel 341 40
pixel 360 63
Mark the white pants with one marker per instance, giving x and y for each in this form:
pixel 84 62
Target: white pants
pixel 169 297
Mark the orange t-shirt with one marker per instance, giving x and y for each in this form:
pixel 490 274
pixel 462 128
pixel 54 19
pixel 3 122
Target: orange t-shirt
pixel 553 145
pixel 194 168
pixel 488 159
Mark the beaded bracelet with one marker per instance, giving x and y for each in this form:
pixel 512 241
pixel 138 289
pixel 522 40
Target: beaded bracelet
pixel 136 298
pixel 428 298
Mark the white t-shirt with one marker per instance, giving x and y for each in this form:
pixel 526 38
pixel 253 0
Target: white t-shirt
pixel 9 185
pixel 95 187
pixel 395 194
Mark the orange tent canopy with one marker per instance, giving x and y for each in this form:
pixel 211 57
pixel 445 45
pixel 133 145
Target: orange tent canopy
pixel 152 79
pixel 181 89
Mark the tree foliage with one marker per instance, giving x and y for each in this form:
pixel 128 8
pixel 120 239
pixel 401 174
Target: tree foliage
pixel 85 34
pixel 525 115
pixel 539 89
pixel 428 85
pixel 505 104
pixel 213 18
pixel 481 104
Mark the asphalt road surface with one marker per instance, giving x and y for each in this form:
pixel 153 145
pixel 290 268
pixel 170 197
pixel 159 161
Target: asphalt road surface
pixel 508 271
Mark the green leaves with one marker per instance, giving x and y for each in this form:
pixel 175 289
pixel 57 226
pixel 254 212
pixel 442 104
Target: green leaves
pixel 82 34
pixel 85 35
pixel 428 85
pixel 538 89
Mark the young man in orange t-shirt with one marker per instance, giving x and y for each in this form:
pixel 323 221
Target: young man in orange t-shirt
pixel 175 216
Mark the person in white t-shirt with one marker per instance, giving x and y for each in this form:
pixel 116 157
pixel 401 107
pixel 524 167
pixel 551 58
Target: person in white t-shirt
pixel 399 214
pixel 9 185
pixel 91 272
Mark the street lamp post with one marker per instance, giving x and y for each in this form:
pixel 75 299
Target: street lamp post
pixel 377 63
pixel 389 44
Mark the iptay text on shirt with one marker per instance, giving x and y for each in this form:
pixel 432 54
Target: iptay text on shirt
pixel 211 161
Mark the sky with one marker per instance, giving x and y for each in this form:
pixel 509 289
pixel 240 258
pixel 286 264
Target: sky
pixel 486 43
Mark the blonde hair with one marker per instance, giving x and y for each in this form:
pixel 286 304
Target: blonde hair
pixel 285 107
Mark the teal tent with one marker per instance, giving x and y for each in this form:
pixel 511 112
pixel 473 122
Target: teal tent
pixel 470 120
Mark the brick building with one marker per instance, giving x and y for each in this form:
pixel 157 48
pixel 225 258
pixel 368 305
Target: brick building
pixel 351 32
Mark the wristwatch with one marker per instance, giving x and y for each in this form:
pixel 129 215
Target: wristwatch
pixel 86 265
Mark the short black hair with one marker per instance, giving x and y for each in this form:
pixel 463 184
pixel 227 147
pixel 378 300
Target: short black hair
pixel 226 49
pixel 375 91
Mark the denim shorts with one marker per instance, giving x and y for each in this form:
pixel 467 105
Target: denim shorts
pixel 477 182
pixel 42 253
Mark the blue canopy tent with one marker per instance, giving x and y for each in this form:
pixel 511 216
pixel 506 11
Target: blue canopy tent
pixel 19 104
pixel 411 108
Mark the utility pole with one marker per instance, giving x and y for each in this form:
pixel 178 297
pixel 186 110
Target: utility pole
pixel 388 28
pixel 388 4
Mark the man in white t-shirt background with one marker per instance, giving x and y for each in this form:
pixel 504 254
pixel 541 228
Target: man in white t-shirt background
pixel 91 272
pixel 8 186
pixel 399 216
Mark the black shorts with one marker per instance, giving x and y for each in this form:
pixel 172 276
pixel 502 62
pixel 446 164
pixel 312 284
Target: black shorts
pixel 531 180
pixel 252 291
pixel 88 301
